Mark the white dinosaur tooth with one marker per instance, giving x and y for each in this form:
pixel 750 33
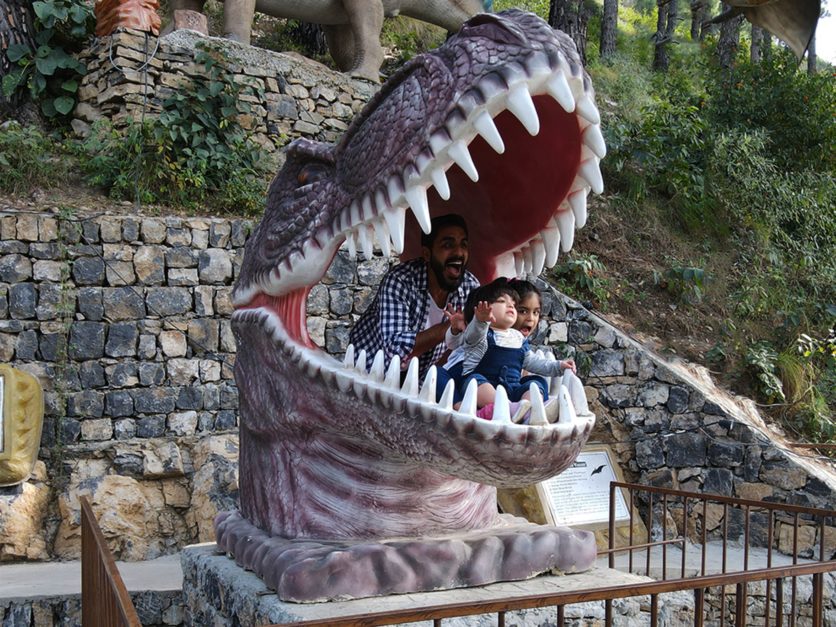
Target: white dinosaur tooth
pixel 576 392
pixel 522 106
pixel 355 213
pixel 566 226
pixel 368 209
pixel 538 409
pixel 577 201
pixel 395 219
pixel 348 359
pixel 567 412
pixel 487 129
pixel 381 234
pixel 360 364
pixel 378 369
pixel 518 264
pixel 438 142
pixel 380 201
pixel 427 393
pixel 410 384
pixel 468 405
pixel 393 373
pixel 365 242
pixel 352 245
pixel 344 380
pixel 587 110
pixel 593 138
pixel 528 264
pixel 440 183
pixel 558 88
pixel 394 188
pixel 416 196
pixel 446 402
pixel 501 407
pixel 461 155
pixel 538 257
pixel 551 240
pixel 590 171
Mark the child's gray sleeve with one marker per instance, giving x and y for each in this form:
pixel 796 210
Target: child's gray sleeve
pixel 475 344
pixel 453 340
pixel 540 365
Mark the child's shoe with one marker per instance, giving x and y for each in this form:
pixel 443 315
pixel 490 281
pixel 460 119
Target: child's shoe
pixel 485 412
pixel 552 409
pixel 521 412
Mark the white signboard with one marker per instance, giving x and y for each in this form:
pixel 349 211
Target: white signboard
pixel 580 495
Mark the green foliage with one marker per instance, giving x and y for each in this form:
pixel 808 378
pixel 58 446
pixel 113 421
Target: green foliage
pixel 580 275
pixel 196 153
pixel 29 159
pixel 762 359
pixel 686 283
pixel 409 37
pixel 50 72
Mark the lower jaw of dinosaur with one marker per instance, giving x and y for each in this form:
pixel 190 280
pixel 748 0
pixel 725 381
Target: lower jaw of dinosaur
pixel 310 571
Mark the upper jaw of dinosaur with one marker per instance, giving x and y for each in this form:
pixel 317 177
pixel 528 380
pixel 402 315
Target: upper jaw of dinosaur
pixel 515 150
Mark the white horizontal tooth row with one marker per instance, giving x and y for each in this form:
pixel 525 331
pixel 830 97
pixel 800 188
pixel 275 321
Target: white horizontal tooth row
pixel 388 390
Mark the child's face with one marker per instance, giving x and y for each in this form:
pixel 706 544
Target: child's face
pixel 528 314
pixel 504 309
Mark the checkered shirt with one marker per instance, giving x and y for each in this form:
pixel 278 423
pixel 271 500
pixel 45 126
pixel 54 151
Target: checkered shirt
pixel 399 312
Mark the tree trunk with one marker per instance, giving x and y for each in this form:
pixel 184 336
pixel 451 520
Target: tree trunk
pixel 571 17
pixel 697 18
pixel 729 40
pixel 755 49
pixel 660 55
pixel 766 45
pixel 15 28
pixel 811 55
pixel 609 28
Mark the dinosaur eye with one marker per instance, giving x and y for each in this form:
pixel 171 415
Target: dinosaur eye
pixel 312 173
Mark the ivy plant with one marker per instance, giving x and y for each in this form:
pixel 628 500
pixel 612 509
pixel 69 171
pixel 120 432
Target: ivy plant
pixel 50 71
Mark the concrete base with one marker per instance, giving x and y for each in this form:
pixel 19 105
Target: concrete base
pixel 217 591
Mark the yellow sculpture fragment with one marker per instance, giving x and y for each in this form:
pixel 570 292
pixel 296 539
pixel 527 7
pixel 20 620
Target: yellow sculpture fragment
pixel 21 421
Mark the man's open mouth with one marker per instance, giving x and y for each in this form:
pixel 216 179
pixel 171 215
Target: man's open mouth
pixel 516 156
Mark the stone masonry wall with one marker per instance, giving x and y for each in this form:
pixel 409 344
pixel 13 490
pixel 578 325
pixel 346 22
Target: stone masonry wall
pixel 125 320
pixel 292 96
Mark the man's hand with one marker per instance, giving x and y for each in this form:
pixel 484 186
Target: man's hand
pixel 456 319
pixel 569 364
pixel 483 312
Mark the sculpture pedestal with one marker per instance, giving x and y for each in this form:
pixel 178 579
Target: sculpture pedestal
pixel 216 591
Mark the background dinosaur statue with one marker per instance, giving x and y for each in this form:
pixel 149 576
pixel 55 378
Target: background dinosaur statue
pixel 352 27
pixel 351 483
pixel 792 21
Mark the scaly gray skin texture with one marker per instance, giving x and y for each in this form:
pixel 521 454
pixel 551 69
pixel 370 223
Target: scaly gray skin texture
pixel 352 27
pixel 501 121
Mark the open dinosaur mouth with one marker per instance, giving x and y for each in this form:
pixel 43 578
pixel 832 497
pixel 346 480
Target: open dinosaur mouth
pixel 516 157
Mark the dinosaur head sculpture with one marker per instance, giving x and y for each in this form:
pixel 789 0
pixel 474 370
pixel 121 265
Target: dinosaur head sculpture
pixel 498 125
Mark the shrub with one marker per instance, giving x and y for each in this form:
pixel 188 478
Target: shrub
pixel 50 72
pixel 29 159
pixel 195 153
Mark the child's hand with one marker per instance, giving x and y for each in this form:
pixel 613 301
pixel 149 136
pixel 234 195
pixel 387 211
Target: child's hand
pixel 456 319
pixel 483 312
pixel 569 364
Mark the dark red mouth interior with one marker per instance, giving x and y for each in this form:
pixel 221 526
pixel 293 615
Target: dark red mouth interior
pixel 291 310
pixel 517 192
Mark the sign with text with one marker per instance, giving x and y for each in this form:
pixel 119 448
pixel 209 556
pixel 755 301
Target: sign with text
pixel 580 495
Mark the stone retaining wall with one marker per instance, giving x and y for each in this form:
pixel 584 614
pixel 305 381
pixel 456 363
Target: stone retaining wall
pixel 125 320
pixel 291 96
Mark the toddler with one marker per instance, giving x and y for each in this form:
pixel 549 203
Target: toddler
pixel 494 353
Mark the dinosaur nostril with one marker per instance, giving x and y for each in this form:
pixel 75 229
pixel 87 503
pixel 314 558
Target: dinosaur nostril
pixel 493 27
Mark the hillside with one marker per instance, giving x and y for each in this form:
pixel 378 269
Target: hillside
pixel 714 239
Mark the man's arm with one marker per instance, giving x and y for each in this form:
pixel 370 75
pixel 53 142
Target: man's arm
pixel 428 339
pixel 397 311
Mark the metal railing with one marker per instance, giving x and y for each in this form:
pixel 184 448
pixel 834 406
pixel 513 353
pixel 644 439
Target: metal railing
pixel 686 522
pixel 105 601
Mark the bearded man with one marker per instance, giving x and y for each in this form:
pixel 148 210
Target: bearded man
pixel 411 312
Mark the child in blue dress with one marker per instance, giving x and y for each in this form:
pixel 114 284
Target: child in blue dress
pixel 494 353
